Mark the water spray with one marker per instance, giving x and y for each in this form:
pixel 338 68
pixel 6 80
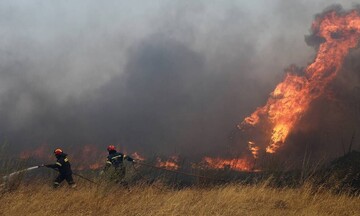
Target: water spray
pixel 7 177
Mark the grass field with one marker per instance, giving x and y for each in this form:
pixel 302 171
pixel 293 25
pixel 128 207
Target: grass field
pixel 233 199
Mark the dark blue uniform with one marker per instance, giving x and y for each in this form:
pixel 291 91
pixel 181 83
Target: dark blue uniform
pixel 116 160
pixel 63 166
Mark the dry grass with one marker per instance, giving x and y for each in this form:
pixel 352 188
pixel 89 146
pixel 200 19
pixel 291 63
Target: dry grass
pixel 147 200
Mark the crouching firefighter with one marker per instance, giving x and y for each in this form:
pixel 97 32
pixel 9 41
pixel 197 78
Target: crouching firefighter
pixel 63 166
pixel 115 167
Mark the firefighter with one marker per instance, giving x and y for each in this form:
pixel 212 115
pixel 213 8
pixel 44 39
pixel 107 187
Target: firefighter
pixel 63 166
pixel 115 160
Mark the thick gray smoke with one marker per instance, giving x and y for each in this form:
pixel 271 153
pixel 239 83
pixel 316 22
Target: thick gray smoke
pixel 153 76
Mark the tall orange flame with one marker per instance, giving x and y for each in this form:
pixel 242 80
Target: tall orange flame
pixel 291 98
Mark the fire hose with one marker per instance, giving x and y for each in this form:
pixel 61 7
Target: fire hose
pixel 143 177
pixel 91 181
pixel 78 175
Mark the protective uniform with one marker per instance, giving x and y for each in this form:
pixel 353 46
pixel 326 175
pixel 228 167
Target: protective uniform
pixel 116 161
pixel 63 166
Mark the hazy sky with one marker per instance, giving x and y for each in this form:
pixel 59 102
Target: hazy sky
pixel 159 75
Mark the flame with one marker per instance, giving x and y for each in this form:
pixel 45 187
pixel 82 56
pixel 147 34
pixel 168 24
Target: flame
pixel 292 98
pixel 254 149
pixel 137 156
pixel 239 164
pixel 42 152
pixel 171 163
pixel 88 157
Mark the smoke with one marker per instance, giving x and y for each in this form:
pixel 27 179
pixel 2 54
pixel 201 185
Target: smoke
pixel 157 77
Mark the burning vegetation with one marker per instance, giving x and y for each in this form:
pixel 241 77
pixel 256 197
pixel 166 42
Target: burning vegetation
pixel 172 163
pixel 235 164
pixel 267 129
pixel 174 185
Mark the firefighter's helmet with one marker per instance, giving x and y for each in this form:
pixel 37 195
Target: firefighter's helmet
pixel 111 148
pixel 58 151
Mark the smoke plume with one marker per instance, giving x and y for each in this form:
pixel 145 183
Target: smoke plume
pixel 159 77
